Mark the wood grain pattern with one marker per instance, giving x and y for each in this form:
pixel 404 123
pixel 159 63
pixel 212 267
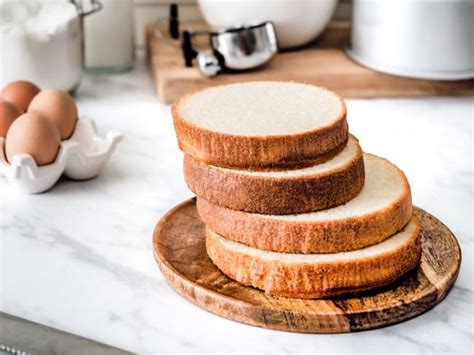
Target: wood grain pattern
pixel 323 63
pixel 179 248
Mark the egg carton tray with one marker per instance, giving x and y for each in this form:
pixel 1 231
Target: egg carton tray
pixel 80 157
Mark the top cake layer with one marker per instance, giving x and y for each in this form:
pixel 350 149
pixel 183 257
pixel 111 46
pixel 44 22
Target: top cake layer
pixel 262 108
pixel 263 124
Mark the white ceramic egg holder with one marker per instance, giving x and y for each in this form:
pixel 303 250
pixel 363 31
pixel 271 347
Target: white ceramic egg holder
pixel 80 157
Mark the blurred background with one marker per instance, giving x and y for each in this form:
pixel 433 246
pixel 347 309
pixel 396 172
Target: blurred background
pixel 77 270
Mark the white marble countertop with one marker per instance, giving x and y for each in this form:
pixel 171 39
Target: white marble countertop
pixel 79 257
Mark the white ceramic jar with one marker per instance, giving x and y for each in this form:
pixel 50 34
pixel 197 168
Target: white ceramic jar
pixel 109 37
pixel 296 22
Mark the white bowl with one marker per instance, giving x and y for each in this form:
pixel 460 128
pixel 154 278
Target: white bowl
pixel 296 22
pixel 80 157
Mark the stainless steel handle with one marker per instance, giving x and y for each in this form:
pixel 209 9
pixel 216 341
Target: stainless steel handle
pixel 96 5
pixel 208 64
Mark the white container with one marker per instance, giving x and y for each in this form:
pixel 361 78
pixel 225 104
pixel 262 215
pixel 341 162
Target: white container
pixel 80 157
pixel 41 42
pixel 296 22
pixel 418 39
pixel 109 37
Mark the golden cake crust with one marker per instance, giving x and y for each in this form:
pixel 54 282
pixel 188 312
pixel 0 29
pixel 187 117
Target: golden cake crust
pixel 317 279
pixel 276 195
pixel 322 236
pixel 271 151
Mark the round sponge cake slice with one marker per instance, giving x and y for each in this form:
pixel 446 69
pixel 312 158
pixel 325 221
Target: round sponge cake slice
pixel 318 275
pixel 313 188
pixel 261 124
pixel 381 209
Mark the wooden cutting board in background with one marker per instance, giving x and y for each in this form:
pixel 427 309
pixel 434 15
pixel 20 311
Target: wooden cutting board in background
pixel 322 63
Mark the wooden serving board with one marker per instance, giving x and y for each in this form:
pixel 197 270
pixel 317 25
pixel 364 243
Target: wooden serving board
pixel 322 63
pixel 179 248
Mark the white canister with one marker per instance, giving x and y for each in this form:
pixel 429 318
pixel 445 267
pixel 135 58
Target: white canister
pixel 109 37
pixel 418 39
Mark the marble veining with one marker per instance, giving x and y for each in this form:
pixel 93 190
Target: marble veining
pixel 79 257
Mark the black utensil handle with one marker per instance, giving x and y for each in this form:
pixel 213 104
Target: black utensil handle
pixel 173 25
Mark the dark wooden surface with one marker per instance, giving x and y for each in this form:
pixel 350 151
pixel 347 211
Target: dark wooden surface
pixel 179 247
pixel 322 63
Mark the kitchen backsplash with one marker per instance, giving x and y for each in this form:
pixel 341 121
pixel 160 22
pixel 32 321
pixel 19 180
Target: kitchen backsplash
pixel 147 11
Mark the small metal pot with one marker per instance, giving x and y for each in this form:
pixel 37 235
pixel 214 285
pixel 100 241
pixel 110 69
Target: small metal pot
pixel 52 62
pixel 418 39
pixel 240 48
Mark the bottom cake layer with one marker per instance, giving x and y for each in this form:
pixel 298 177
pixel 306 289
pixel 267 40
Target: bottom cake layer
pixel 318 275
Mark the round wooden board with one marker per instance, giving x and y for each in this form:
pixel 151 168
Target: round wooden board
pixel 179 248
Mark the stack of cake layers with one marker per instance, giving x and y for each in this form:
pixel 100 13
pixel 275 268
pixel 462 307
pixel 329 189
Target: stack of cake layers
pixel 291 204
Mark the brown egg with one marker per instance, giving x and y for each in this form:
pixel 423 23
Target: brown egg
pixel 59 107
pixel 8 113
pixel 33 134
pixel 20 93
